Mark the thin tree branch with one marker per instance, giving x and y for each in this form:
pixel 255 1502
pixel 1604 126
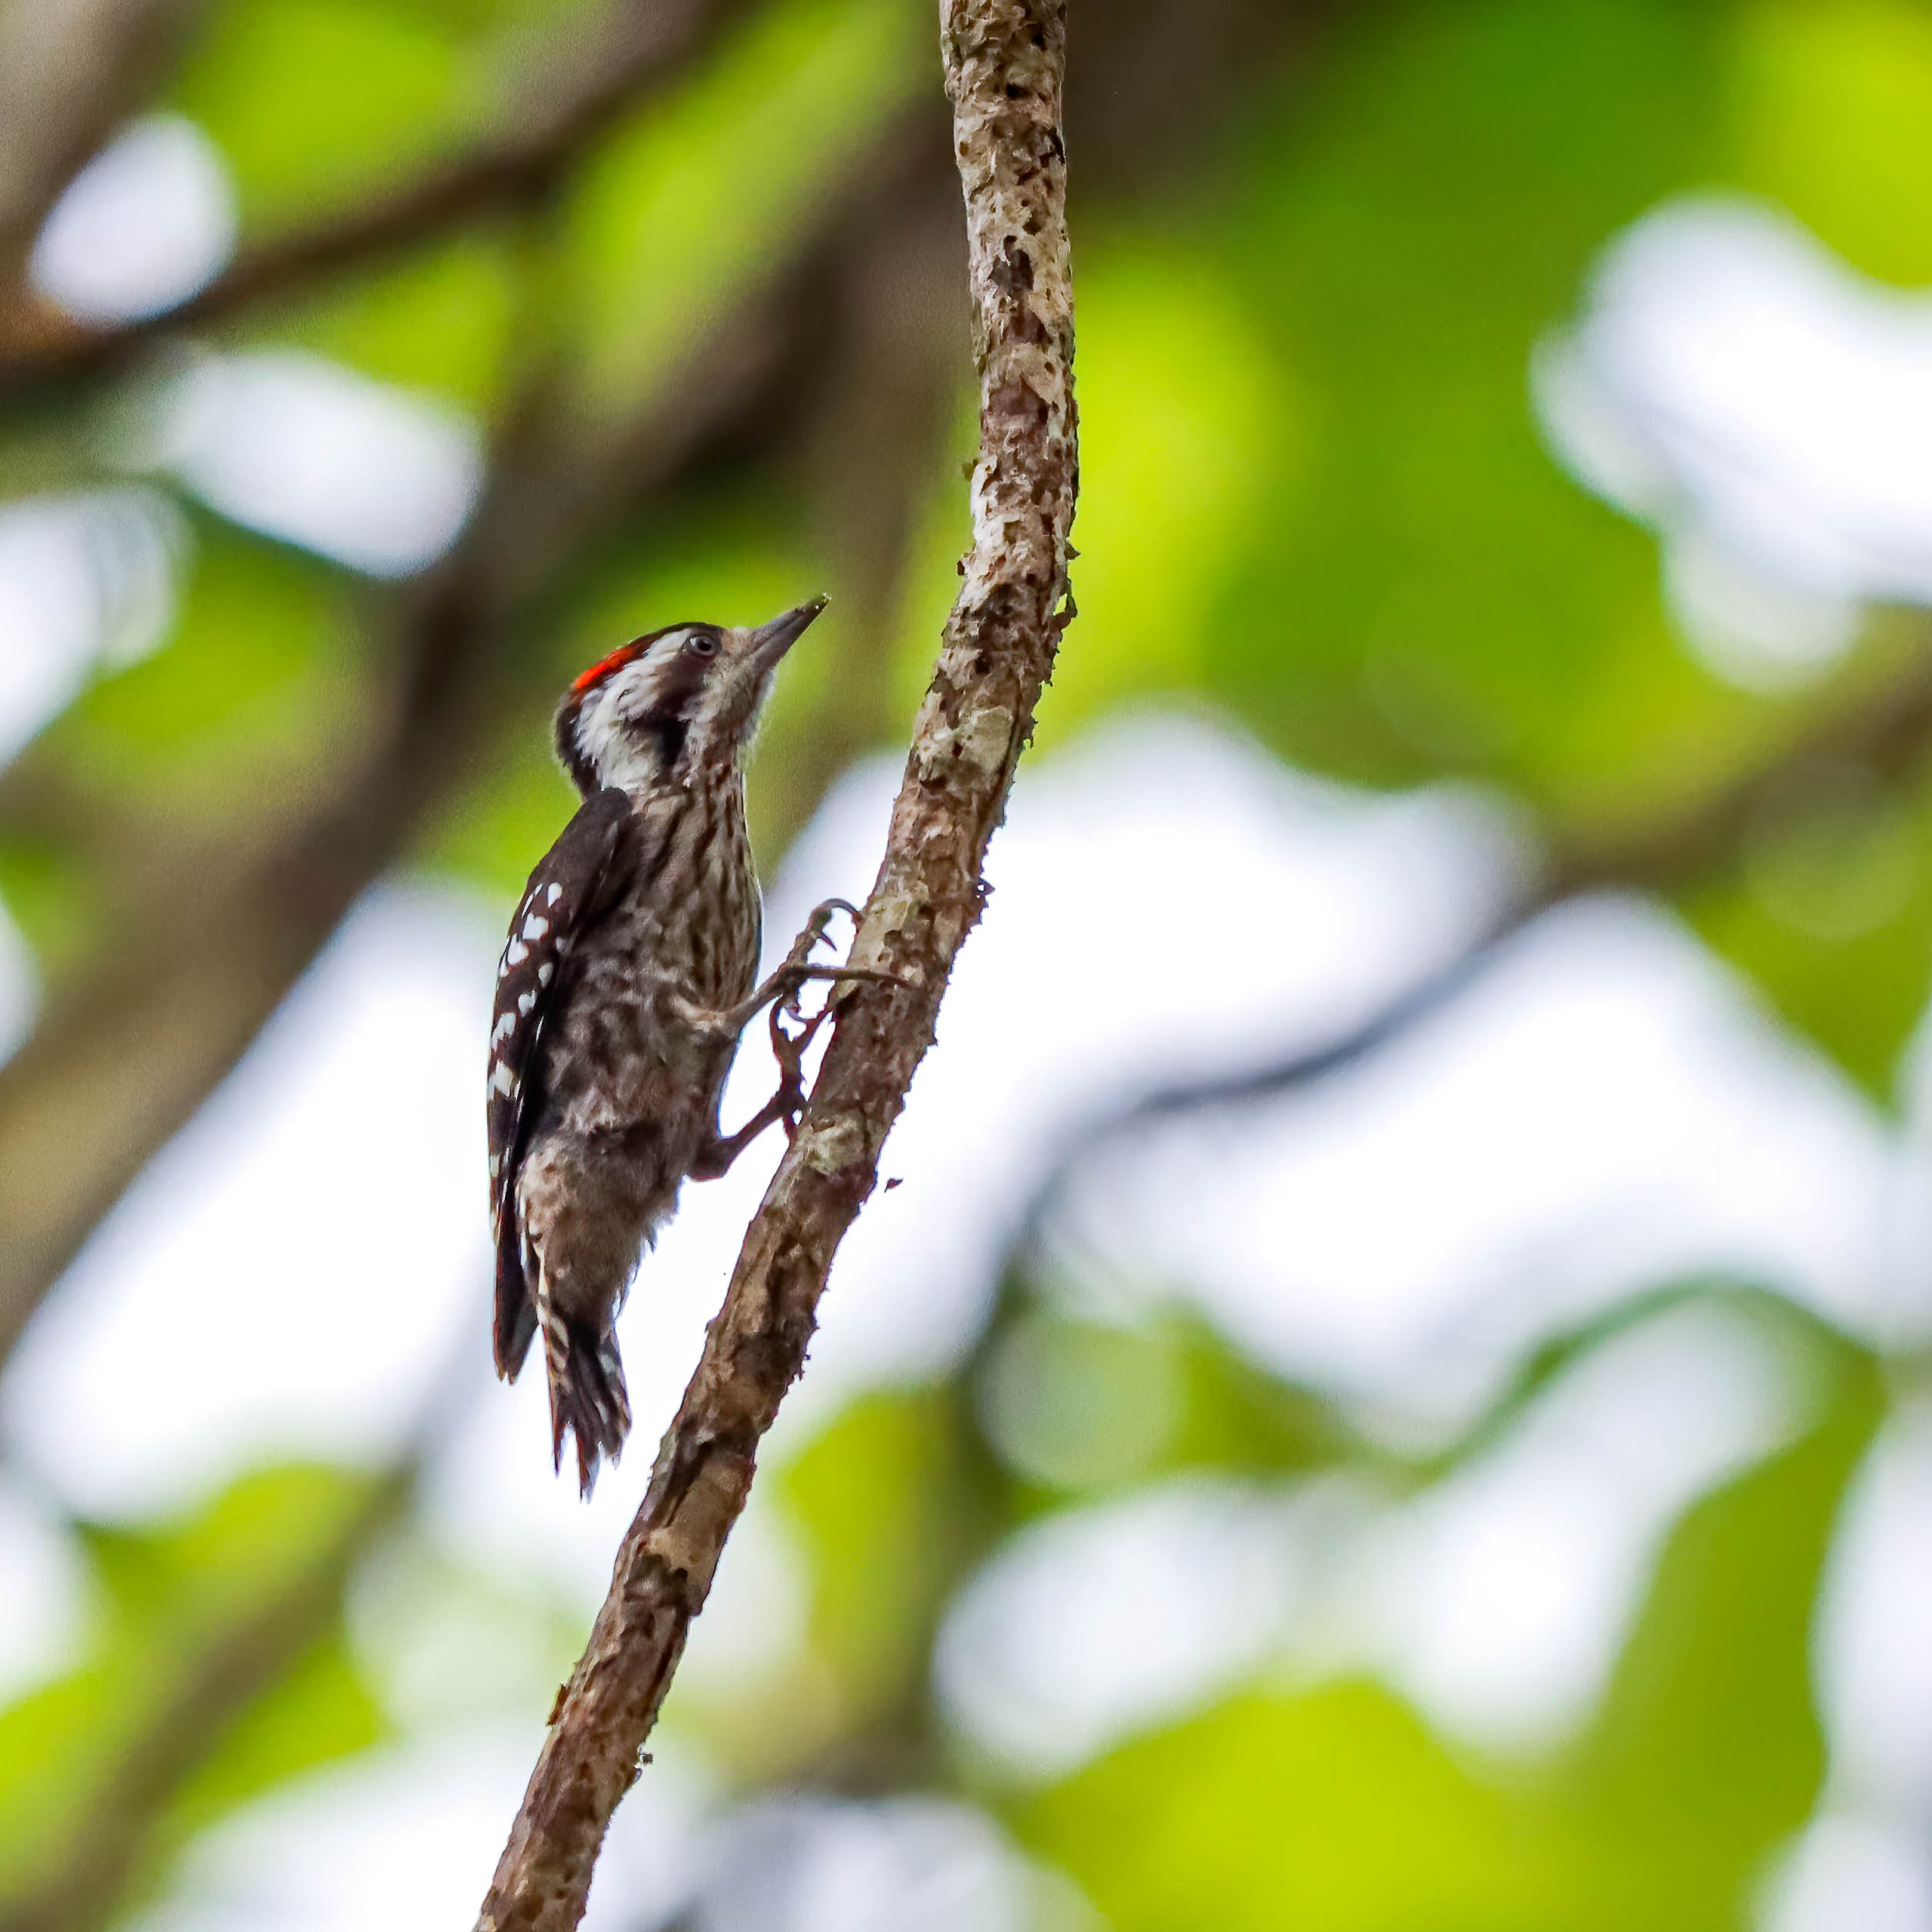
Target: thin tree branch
pixel 647 49
pixel 1005 64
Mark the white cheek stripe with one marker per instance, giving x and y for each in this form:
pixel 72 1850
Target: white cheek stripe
pixel 604 738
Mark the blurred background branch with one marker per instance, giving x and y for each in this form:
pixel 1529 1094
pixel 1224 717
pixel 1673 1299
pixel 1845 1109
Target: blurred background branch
pixel 1886 731
pixel 557 118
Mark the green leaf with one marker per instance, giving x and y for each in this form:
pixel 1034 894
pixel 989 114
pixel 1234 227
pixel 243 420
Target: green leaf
pixel 1184 416
pixel 54 1746
pixel 224 1553
pixel 323 1709
pixel 439 323
pixel 1831 913
pixel 1331 1810
pixel 492 833
pixel 521 24
pixel 55 896
pixel 1431 590
pixel 244 709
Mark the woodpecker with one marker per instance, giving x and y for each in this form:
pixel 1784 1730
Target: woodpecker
pixel 628 976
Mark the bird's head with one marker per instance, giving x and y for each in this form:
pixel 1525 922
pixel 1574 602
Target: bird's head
pixel 683 697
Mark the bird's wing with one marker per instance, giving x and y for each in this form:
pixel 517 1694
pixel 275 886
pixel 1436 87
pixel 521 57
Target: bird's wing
pixel 567 892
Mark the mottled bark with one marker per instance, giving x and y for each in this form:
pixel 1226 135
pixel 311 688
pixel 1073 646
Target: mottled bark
pixel 1004 66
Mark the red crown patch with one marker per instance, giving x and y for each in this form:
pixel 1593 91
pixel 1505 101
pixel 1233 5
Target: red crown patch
pixel 625 654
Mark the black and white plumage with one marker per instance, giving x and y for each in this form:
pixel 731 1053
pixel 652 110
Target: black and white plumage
pixel 620 994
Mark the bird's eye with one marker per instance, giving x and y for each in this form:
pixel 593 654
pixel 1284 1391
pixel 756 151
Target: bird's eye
pixel 700 645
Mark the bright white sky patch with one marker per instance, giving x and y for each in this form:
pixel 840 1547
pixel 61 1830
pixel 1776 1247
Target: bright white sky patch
pixel 19 986
pixel 83 578
pixel 43 1583
pixel 408 1837
pixel 147 222
pixel 290 1276
pixel 1733 382
pixel 1605 1110
pixel 1098 1622
pixel 1500 1598
pixel 1876 1671
pixel 307 450
pixel 1849 1874
pixel 899 1864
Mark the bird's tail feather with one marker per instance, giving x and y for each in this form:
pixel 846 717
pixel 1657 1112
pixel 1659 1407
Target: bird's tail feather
pixel 588 1398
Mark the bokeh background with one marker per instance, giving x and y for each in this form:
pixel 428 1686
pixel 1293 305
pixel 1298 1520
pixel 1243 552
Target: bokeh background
pixel 1392 1395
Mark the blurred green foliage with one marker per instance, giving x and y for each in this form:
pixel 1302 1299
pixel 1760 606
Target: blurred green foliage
pixel 171 1604
pixel 676 212
pixel 1317 502
pixel 313 101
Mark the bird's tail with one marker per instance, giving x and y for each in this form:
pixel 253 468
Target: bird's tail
pixel 588 1397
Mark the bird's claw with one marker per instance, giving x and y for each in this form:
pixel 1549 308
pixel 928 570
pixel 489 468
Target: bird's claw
pixel 788 983
pixel 788 1049
pixel 818 925
pixel 793 1032
pixel 817 930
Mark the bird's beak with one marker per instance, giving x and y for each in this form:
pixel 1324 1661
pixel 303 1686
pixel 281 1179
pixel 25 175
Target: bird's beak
pixel 769 642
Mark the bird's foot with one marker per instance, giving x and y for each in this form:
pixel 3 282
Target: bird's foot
pixel 790 979
pixel 788 1049
pixel 781 994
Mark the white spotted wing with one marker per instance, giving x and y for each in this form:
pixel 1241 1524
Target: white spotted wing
pixel 568 891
